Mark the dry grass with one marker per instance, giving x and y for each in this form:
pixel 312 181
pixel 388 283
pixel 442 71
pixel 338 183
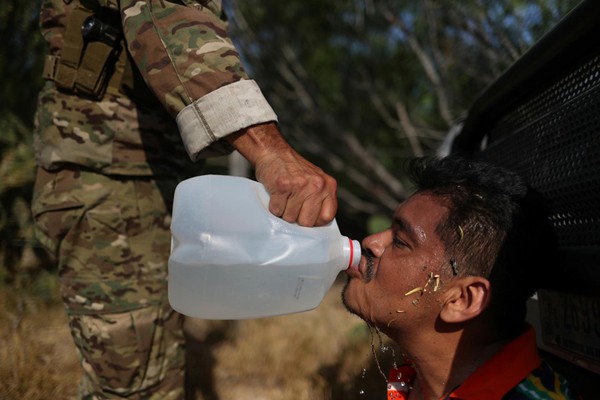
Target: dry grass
pixel 37 358
pixel 322 354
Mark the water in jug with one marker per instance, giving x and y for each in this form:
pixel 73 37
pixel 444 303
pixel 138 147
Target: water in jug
pixel 232 259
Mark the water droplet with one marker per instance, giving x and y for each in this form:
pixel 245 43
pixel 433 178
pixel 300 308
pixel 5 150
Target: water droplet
pixel 380 344
pixel 361 392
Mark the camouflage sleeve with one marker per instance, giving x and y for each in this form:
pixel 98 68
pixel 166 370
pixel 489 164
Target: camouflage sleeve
pixel 192 66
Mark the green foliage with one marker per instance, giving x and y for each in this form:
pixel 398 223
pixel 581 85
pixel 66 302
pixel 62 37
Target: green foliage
pixel 377 223
pixel 394 75
pixel 21 58
pixel 17 167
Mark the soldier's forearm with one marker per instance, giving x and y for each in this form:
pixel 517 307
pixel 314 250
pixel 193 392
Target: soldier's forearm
pixel 258 141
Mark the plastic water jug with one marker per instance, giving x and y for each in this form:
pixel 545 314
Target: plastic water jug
pixel 232 259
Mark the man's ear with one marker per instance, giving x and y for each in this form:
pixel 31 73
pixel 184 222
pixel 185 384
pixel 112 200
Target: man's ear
pixel 466 299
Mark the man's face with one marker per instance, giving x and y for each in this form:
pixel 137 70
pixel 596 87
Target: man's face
pixel 384 290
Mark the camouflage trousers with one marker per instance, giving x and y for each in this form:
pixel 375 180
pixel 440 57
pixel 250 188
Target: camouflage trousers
pixel 111 240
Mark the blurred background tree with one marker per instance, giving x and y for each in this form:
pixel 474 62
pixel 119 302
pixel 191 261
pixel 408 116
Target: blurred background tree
pixel 21 58
pixel 359 87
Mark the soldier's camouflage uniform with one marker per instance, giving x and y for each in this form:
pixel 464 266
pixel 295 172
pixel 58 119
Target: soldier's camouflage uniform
pixel 107 168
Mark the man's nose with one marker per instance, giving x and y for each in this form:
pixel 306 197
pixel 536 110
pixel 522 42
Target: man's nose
pixel 377 242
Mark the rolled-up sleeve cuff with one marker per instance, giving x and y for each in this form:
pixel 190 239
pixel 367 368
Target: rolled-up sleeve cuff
pixel 220 113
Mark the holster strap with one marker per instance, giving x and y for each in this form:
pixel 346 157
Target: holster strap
pixel 92 74
pixel 66 70
pixel 88 67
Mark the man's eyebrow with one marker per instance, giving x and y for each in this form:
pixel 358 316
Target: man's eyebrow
pixel 404 226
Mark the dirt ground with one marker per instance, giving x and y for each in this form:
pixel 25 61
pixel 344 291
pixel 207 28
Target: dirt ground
pixel 321 354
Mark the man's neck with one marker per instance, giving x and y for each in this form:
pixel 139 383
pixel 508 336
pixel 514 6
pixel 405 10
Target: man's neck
pixel 440 371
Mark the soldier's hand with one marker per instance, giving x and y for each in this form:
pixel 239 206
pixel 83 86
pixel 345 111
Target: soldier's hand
pixel 300 191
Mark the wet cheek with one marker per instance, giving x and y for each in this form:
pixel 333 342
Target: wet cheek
pixel 396 278
pixel 356 295
pixel 389 296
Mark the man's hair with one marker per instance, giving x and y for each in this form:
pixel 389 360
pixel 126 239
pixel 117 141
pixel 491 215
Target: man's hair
pixel 496 228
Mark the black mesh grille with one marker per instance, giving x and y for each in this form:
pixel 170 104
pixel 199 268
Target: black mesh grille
pixel 541 118
pixel 560 94
pixel 552 138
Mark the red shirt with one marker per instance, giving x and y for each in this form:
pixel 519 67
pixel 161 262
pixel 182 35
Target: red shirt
pixel 513 373
pixel 501 373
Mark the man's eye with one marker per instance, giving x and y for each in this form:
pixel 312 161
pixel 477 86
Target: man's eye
pixel 399 242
